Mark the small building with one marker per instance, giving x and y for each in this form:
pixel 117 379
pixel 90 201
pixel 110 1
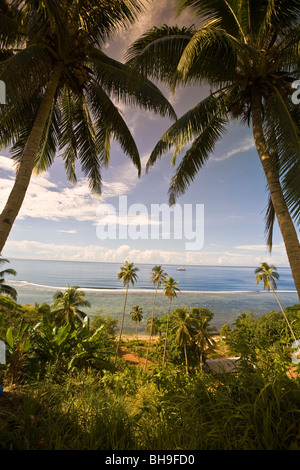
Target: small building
pixel 223 365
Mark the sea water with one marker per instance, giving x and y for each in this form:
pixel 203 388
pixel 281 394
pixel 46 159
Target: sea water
pixel 227 291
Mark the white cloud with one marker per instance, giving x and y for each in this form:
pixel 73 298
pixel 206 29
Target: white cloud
pixel 244 146
pixel 280 248
pixel 67 252
pixel 67 231
pixel 47 200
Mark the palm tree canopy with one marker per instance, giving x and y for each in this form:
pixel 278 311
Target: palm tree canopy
pixel 128 273
pixel 137 314
pixel 67 305
pixel 84 117
pixel 170 288
pixel 158 275
pixel 243 50
pixel 181 326
pixel 267 274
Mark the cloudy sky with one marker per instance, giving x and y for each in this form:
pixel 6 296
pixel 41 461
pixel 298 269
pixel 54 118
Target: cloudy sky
pixel 62 221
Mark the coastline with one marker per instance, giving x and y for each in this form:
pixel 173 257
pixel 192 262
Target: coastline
pixel 226 306
pixel 144 291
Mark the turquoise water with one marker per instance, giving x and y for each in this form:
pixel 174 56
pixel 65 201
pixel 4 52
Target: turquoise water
pixel 226 291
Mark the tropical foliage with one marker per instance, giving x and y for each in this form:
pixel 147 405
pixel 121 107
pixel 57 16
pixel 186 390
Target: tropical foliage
pixel 67 394
pixel 4 288
pixel 248 53
pixel 137 316
pixel 66 307
pixel 128 273
pixel 157 277
pixel 268 274
pixel 170 291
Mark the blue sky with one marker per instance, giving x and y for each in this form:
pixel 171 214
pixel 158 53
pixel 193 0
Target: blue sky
pixel 59 220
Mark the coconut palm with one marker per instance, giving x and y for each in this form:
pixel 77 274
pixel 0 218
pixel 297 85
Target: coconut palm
pixel 268 274
pixel 202 331
pixel 157 277
pixel 170 290
pixel 181 326
pixel 66 306
pixel 248 52
pixel 128 273
pixel 4 288
pixel 137 316
pixel 63 90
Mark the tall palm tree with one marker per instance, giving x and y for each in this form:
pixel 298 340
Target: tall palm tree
pixel 66 306
pixel 181 326
pixel 62 91
pixel 137 316
pixel 170 290
pixel 128 273
pixel 4 288
pixel 157 277
pixel 202 331
pixel 268 274
pixel 248 52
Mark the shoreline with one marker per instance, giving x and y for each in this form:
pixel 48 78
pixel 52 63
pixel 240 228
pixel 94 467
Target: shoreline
pixel 114 290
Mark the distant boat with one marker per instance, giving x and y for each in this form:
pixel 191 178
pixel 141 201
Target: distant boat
pixel 180 269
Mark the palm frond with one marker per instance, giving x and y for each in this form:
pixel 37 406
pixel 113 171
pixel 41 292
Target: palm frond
pixel 269 224
pixel 32 67
pixel 157 53
pixel 110 123
pixel 129 86
pixel 189 126
pixel 281 128
pixel 8 290
pixel 211 54
pixel 89 149
pixel 102 19
pixel 68 141
pixel 196 157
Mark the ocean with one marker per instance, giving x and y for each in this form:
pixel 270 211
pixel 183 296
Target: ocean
pixel 227 291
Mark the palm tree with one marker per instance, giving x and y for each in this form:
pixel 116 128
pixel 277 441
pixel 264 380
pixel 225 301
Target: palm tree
pixel 248 52
pixel 181 326
pixel 63 100
pixel 157 277
pixel 4 288
pixel 137 316
pixel 129 275
pixel 170 291
pixel 268 274
pixel 203 331
pixel 66 306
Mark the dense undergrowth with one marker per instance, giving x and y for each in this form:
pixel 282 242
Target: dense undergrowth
pixel 131 410
pixel 62 391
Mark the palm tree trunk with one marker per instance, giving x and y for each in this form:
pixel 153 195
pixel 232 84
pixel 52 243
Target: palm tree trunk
pixel 152 321
pixel 186 359
pixel 284 314
pixel 18 192
pixel 166 339
pixel 122 323
pixel 285 222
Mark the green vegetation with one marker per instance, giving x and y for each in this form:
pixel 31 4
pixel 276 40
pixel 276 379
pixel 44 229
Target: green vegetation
pixel 63 391
pixel 4 288
pixel 63 385
pixel 128 273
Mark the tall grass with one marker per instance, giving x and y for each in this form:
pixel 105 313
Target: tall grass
pixel 164 410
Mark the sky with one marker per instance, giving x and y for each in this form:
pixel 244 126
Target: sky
pixel 221 215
